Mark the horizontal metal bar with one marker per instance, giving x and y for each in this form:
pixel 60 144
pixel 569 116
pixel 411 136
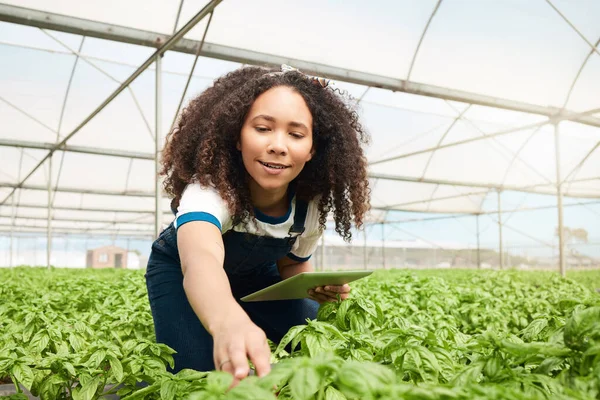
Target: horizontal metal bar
pixel 460 142
pixel 76 220
pixel 493 212
pixel 132 193
pixel 42 230
pixel 75 149
pixel 528 189
pixel 79 26
pixel 89 209
pixel 135 193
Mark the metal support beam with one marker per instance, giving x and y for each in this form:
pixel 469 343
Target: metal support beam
pixel 146 194
pixel 365 263
pixel 90 209
pixel 162 48
pixel 12 229
pixel 528 189
pixel 157 144
pixel 86 220
pixel 478 246
pixel 559 196
pixel 440 146
pixel 49 222
pixel 24 144
pixel 79 26
pixel 40 230
pixel 149 156
pixel 323 252
pixel 383 245
pixel 414 58
pixel 500 244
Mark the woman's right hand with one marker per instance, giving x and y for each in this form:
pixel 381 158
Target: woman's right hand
pixel 235 341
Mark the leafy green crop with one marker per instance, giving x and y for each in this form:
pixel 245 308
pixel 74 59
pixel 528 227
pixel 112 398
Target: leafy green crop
pixel 82 334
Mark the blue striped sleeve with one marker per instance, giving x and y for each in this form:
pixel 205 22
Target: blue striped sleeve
pixel 197 216
pixel 296 258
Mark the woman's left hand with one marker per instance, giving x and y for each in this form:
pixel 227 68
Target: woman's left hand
pixel 329 293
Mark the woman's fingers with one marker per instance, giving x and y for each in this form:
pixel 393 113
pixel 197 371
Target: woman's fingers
pixel 260 355
pixel 345 288
pixel 330 293
pixel 238 366
pixel 321 296
pixel 233 349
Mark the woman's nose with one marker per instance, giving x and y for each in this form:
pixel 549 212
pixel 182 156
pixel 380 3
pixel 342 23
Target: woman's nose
pixel 277 144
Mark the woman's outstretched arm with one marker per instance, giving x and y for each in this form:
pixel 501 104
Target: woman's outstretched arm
pixel 236 338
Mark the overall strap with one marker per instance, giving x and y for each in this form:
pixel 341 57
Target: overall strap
pixel 298 228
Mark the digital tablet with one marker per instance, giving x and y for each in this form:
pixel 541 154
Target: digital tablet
pixel 297 286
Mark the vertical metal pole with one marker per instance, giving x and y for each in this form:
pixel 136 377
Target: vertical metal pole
pixel 323 252
pixel 501 247
pixel 561 239
pixel 12 231
pixel 383 245
pixel 14 214
pixel 365 247
pixel 478 247
pixel 10 249
pixel 49 226
pixel 157 121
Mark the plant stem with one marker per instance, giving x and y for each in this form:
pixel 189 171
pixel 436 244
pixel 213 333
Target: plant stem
pixel 146 390
pixel 321 395
pixel 16 383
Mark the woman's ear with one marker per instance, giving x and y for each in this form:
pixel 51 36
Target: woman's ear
pixel 238 145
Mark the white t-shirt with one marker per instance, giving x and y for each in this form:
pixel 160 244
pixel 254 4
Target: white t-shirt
pixel 200 203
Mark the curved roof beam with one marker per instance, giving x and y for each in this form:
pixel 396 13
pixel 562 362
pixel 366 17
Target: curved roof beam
pixel 458 117
pixel 444 146
pixel 191 74
pixel 594 48
pixel 161 50
pixel 577 168
pixel 483 134
pixel 579 73
pixel 62 114
pixel 90 209
pixel 500 133
pixel 79 26
pixel 31 117
pixel 105 60
pixel 177 17
pixel 109 76
pixel 516 154
pixel 412 63
pixel 450 197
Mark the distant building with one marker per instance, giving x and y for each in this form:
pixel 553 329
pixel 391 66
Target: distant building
pixel 106 257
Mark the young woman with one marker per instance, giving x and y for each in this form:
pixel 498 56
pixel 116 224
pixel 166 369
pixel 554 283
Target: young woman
pixel 255 164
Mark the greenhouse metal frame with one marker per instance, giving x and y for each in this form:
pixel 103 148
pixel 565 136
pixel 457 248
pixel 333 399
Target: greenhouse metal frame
pixel 201 48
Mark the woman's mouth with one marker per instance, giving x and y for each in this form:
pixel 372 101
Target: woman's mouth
pixel 273 165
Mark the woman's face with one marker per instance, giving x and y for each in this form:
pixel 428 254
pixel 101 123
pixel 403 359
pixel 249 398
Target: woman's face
pixel 276 138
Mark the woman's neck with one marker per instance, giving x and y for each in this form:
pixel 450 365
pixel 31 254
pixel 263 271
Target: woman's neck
pixel 272 203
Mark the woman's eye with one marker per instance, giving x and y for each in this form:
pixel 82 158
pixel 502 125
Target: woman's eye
pixel 262 129
pixel 297 135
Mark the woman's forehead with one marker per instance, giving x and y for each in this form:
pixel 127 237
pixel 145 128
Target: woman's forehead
pixel 281 104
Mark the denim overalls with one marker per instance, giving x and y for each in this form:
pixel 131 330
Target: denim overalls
pixel 250 266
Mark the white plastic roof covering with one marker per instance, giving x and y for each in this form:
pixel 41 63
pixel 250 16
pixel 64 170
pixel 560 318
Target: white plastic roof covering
pixel 537 56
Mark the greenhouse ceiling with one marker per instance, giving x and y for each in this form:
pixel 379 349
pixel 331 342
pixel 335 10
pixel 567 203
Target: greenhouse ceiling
pixel 462 99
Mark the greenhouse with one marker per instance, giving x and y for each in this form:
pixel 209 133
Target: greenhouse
pixel 483 169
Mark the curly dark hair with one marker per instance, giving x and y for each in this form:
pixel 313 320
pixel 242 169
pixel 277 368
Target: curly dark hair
pixel 202 147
